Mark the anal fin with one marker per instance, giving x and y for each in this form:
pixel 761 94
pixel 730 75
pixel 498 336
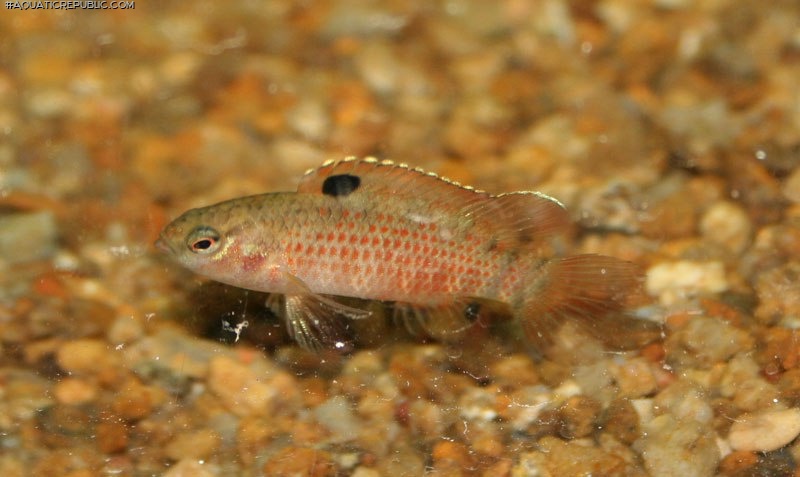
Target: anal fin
pixel 444 322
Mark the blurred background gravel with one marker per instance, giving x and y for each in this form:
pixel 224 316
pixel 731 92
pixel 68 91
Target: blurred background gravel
pixel 670 129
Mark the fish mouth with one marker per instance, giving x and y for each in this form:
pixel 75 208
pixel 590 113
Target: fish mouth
pixel 163 245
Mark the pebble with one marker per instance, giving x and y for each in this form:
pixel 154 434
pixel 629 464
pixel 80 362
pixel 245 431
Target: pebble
pixel 791 186
pixel 240 389
pixel 112 436
pixel 667 442
pixel 742 381
pixel 199 444
pixel 764 431
pixel 25 237
pixel 728 225
pixel 293 461
pixel 707 341
pixel 621 420
pixel 685 400
pixel 337 416
pixel 778 293
pixel 579 415
pixel 634 377
pixel 192 468
pixel 75 391
pixel 125 330
pixel 560 458
pixel 135 401
pixel 85 356
pixel 674 281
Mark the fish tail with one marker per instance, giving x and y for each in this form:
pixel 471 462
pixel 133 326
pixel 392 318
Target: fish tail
pixel 589 290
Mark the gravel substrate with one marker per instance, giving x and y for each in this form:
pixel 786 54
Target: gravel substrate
pixel 670 129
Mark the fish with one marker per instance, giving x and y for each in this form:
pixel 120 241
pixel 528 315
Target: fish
pixel 438 251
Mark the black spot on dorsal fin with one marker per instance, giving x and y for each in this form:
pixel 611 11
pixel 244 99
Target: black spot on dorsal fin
pixel 340 185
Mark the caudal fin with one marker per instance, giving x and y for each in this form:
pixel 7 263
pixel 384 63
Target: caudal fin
pixel 591 290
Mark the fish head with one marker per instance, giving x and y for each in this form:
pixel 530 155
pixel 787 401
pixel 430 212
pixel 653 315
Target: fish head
pixel 205 240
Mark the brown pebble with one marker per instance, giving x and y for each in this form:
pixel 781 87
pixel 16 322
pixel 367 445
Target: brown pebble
pixel 299 461
pixel 789 386
pixel 191 468
pixel 111 436
pixel 251 438
pixel 198 445
pixel 450 455
pixel 242 392
pixel 85 356
pixel 513 372
pixel 136 401
pixel 737 462
pixel 622 421
pixel 578 416
pixel 75 391
pixel 570 458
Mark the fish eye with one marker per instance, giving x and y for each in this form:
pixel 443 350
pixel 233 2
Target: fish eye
pixel 203 239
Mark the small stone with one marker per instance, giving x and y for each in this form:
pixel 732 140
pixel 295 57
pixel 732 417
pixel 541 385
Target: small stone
pixel 667 442
pixel 124 330
pixel 685 400
pixel 336 414
pixel 634 377
pixel 573 458
pixel 365 472
pixel 192 468
pixel 85 356
pixel 25 237
pixel 136 401
pixel 674 281
pixel 622 421
pixel 50 103
pixel 450 456
pixel 765 431
pixel 708 341
pixel 778 293
pixel 310 119
pixel 426 418
pixel 292 461
pixel 791 186
pixel 198 445
pixel 514 372
pixel 728 225
pixel 578 416
pixel 74 391
pixel 738 462
pixel 112 436
pixel 247 392
pixel 743 383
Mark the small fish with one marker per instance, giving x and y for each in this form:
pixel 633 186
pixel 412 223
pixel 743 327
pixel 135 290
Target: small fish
pixel 378 230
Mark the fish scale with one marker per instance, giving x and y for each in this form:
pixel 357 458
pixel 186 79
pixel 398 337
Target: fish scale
pixel 377 230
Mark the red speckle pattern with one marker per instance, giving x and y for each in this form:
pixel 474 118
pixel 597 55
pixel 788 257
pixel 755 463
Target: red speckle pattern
pixel 390 257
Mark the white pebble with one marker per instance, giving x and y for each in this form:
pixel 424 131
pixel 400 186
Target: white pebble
pixel 765 431
pixel 791 187
pixel 673 281
pixel 727 224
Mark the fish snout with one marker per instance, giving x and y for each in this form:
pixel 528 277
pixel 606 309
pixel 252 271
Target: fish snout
pixel 163 245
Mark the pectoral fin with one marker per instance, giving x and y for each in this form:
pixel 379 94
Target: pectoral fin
pixel 314 321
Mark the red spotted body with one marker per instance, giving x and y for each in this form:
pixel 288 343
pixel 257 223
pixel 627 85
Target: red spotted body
pixel 375 230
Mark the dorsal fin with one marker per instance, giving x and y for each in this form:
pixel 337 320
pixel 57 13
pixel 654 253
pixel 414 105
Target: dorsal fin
pixel 382 177
pixel 517 219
